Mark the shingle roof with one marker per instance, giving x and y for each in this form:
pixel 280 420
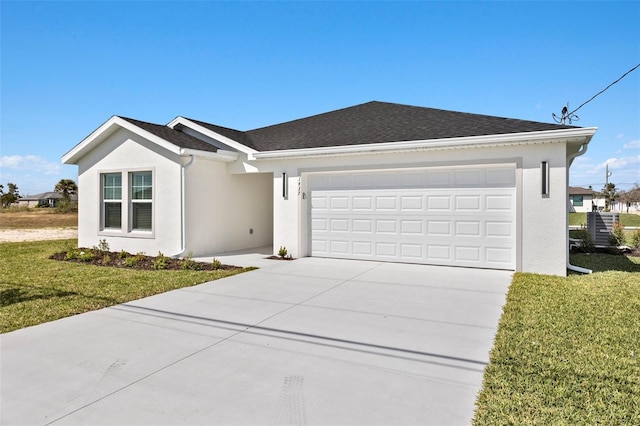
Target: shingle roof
pixel 371 122
pixel 375 122
pixel 174 136
pixel 577 190
pixel 46 196
pixel 236 135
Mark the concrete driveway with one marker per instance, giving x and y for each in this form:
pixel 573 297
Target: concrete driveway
pixel 311 341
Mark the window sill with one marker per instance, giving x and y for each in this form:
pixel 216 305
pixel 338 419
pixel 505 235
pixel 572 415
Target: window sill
pixel 123 234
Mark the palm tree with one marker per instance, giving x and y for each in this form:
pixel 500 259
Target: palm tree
pixel 67 188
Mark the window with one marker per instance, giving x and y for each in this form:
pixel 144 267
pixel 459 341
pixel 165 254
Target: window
pixel 141 201
pixel 577 200
pixel 112 201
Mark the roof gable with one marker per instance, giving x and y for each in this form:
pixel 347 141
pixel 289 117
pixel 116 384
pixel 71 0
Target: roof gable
pixel 173 136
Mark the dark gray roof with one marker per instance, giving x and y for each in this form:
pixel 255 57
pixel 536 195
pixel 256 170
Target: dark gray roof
pixel 371 122
pixel 46 196
pixel 236 135
pixel 174 136
pixel 376 122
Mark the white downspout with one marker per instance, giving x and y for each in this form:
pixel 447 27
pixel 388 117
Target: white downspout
pixel 183 210
pixel 582 150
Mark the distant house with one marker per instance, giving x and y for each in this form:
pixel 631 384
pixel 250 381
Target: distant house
pixel 45 199
pixel 583 200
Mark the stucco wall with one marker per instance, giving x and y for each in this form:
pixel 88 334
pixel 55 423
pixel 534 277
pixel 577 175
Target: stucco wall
pixel 123 152
pixel 227 212
pixel 541 220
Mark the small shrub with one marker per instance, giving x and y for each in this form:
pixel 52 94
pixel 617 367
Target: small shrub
pixel 86 256
pixel 216 264
pixel 587 244
pixel 123 254
pixel 282 252
pixel 103 245
pixel 189 264
pixel 140 256
pixel 130 261
pixel 66 206
pixel 617 237
pixel 72 254
pixel 106 259
pixel 635 238
pixel 160 262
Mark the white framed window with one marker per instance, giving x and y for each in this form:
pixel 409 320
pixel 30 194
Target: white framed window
pixel 111 184
pixel 141 201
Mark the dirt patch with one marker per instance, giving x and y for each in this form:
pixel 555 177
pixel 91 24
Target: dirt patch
pixel 19 235
pixel 137 261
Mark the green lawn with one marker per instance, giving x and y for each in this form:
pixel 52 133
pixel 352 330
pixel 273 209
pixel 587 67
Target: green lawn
pixel 35 289
pixel 578 219
pixel 567 349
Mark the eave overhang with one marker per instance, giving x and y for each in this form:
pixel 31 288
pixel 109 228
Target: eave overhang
pixel 115 123
pixel 578 135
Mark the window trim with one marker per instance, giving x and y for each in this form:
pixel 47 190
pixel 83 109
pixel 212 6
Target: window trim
pixel 131 201
pixel 576 202
pixel 127 205
pixel 103 202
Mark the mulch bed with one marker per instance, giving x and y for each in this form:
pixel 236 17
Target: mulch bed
pixel 142 262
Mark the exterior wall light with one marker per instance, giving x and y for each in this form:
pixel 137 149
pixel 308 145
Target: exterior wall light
pixel 285 186
pixel 544 174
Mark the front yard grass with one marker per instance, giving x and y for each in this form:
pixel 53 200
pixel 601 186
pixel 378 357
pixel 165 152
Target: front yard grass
pixel 626 219
pixel 567 349
pixel 35 289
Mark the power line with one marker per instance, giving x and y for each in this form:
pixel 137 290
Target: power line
pixel 566 115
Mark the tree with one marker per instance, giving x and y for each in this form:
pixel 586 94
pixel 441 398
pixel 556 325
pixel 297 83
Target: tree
pixel 67 188
pixel 610 195
pixel 10 197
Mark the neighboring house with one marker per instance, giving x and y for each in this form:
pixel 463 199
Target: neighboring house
pixel 377 181
pixel 46 199
pixel 583 200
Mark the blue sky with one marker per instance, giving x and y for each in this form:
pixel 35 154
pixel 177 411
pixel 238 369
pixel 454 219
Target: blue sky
pixel 66 67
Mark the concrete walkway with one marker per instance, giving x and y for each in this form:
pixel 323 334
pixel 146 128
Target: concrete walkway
pixel 311 341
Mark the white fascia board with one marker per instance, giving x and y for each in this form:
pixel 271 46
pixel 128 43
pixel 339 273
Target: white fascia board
pixel 582 135
pixel 214 135
pixel 104 131
pixel 224 156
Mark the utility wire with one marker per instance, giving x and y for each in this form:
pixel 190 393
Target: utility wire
pixel 571 116
pixel 603 90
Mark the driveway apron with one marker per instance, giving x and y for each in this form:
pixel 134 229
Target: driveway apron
pixel 311 341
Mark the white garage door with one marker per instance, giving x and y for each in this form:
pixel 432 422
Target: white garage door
pixel 455 216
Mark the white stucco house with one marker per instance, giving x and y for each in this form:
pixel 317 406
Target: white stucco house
pixel 583 200
pixel 376 181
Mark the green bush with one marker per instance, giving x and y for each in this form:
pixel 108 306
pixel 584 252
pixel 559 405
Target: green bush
pixel 130 261
pixel 123 254
pixel 72 254
pixel 86 256
pixel 216 264
pixel 161 261
pixel 66 206
pixel 635 238
pixel 282 252
pixel 617 237
pixel 189 264
pixel 587 244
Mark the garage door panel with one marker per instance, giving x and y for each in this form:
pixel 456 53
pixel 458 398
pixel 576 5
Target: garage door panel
pixel 388 216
